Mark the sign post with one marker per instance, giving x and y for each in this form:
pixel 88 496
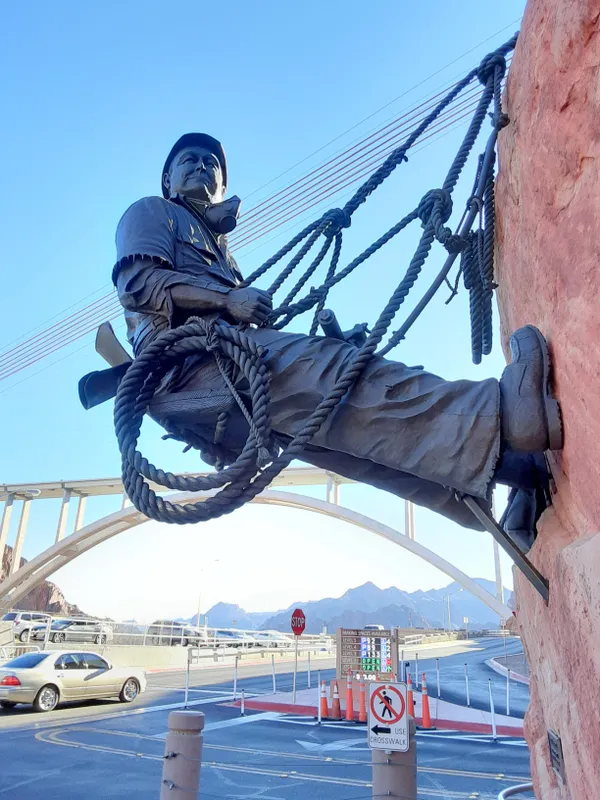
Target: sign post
pixel 390 733
pixel 298 626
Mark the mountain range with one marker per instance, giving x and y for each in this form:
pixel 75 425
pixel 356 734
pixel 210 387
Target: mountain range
pixel 369 604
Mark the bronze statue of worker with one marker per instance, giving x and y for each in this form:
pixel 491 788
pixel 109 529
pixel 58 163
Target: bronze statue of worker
pixel 400 428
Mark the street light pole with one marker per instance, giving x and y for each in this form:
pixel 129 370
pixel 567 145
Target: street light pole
pixel 214 561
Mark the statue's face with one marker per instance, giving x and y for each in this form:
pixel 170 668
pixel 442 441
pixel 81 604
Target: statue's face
pixel 195 172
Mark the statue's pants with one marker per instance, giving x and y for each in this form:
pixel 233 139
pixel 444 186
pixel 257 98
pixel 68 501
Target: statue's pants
pixel 400 429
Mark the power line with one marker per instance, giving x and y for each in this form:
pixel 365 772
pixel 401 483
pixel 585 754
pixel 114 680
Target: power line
pixel 350 175
pixel 111 308
pixel 334 176
pixel 387 105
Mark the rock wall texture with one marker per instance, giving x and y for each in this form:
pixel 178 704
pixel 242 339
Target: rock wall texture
pixel 548 272
pixel 44 597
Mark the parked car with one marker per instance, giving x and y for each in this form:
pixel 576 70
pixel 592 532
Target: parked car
pixel 49 677
pixel 272 639
pixel 24 621
pixel 224 637
pixel 74 630
pixel 169 632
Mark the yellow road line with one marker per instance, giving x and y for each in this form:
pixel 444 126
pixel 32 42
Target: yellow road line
pixel 51 738
pixel 306 757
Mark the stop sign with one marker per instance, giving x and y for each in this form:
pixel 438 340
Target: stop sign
pixel 298 622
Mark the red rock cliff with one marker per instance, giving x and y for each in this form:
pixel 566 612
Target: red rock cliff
pixel 44 597
pixel 549 274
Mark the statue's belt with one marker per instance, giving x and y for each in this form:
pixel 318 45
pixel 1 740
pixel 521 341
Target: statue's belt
pixel 102 385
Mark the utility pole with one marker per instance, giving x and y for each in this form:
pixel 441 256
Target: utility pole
pixel 214 561
pixel 198 614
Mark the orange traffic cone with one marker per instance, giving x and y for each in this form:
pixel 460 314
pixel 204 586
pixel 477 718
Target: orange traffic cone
pixel 336 711
pixel 425 703
pixel 324 707
pixel 362 701
pixel 349 698
pixel 409 694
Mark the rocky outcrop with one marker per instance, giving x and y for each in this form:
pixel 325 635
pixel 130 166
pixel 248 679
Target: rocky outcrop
pixel 45 597
pixel 548 270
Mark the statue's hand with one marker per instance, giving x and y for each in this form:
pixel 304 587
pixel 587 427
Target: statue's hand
pixel 249 305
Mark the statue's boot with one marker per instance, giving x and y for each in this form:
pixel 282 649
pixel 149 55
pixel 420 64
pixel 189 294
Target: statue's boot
pixel 530 424
pixel 529 479
pixel 530 415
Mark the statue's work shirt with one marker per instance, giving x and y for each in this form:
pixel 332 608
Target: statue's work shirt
pixel 182 250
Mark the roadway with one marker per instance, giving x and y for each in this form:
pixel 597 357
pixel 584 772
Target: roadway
pixel 473 653
pixel 104 750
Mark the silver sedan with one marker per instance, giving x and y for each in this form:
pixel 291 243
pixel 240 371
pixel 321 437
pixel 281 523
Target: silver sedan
pixel 48 677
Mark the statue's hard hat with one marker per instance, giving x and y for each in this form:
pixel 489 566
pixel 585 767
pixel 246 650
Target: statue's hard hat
pixel 196 140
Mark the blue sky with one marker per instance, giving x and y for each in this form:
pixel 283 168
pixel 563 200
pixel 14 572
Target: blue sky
pixel 93 97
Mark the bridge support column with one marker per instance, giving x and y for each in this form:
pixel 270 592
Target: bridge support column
pixel 5 523
pixel 18 546
pixel 409 519
pixel 80 512
pixel 64 513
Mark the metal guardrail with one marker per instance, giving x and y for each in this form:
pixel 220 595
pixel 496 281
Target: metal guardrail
pixel 8 652
pixel 153 634
pixel 513 791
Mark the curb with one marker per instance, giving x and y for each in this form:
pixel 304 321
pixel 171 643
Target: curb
pixel 444 724
pixel 502 670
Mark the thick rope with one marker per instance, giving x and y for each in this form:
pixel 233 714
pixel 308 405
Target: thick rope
pixel 235 353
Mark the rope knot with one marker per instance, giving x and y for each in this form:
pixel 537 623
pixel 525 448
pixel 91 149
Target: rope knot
pixel 436 201
pixel 455 243
pixel 337 219
pixel 488 66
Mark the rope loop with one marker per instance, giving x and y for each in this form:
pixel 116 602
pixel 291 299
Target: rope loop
pixel 338 219
pixel 487 68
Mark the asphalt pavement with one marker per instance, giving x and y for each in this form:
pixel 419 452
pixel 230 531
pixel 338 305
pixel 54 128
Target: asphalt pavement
pixel 452 675
pixel 107 750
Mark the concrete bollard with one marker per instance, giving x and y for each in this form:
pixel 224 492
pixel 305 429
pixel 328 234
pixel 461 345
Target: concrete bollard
pixel 183 755
pixel 395 774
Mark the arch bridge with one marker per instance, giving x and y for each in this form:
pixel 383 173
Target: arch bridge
pixel 21 579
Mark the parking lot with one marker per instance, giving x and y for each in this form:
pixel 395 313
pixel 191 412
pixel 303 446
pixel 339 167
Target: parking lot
pixel 105 750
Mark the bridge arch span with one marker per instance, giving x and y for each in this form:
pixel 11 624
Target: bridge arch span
pixel 14 588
